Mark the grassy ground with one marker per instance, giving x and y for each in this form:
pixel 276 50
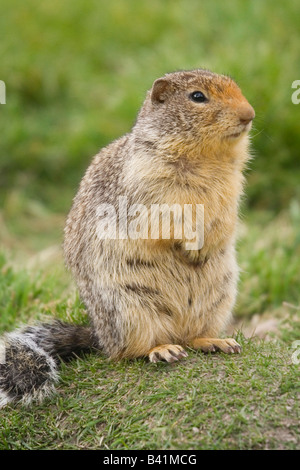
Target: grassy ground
pixel 204 402
pixel 76 74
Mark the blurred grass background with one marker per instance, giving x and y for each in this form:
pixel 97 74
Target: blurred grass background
pixel 76 74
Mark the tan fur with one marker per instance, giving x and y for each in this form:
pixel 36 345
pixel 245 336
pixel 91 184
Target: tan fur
pixel 141 294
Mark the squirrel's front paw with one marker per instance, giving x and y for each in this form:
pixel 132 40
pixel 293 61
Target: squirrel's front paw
pixel 167 352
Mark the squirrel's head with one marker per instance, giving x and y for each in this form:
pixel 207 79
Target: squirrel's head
pixel 198 106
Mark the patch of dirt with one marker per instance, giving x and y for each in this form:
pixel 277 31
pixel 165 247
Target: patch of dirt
pixel 260 326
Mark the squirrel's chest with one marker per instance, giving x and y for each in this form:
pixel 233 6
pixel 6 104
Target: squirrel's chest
pixel 195 283
pixel 197 293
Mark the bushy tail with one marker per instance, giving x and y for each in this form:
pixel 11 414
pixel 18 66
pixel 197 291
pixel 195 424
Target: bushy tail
pixel 29 359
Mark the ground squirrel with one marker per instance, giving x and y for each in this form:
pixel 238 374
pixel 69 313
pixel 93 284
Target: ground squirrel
pixel 149 296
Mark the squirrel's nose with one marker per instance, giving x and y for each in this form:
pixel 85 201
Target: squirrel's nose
pixel 246 114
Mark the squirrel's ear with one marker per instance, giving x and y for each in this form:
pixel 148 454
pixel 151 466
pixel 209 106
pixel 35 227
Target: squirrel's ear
pixel 161 89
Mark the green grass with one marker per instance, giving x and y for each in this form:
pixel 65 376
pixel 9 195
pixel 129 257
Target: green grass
pixel 269 253
pixel 77 73
pixel 204 402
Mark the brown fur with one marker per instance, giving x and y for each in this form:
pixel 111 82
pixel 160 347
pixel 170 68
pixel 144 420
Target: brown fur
pixel 141 294
pixel 149 297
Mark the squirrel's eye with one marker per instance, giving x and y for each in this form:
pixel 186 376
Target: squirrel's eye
pixel 198 97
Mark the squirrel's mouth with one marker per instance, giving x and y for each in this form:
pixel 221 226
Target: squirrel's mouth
pixel 237 134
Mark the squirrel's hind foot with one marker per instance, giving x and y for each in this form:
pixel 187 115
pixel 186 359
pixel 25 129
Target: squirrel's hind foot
pixel 227 345
pixel 167 352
